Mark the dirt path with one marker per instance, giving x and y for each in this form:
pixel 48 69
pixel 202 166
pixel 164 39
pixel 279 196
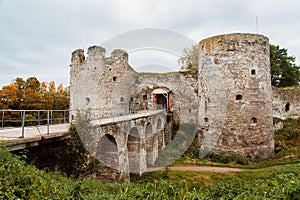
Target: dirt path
pixel 198 169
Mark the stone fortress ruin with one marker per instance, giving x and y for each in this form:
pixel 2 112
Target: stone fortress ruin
pixel 230 99
pixel 236 95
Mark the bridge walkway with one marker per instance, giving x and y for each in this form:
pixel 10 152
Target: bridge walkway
pixel 27 136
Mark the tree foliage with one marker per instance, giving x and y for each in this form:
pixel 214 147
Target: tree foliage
pixel 30 94
pixel 284 71
pixel 189 60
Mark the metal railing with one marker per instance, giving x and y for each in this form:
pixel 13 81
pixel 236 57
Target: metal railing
pixel 122 118
pixel 23 118
pixel 109 115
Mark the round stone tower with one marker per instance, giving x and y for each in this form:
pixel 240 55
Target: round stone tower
pixel 235 99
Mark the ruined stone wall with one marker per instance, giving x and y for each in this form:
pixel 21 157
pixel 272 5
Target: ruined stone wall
pixel 101 84
pixel 111 86
pixel 231 97
pixel 286 102
pixel 183 89
pixel 235 101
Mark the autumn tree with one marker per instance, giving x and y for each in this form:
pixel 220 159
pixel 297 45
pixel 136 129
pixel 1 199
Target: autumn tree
pixel 9 97
pixel 33 95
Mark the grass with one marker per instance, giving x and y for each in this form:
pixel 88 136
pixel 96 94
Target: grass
pixel 19 180
pixel 287 151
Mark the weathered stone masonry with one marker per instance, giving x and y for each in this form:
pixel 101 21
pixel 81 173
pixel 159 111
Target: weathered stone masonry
pixel 235 99
pixel 286 102
pixel 110 88
pixel 231 98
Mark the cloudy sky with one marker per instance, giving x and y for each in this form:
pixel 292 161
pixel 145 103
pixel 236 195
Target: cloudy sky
pixel 37 37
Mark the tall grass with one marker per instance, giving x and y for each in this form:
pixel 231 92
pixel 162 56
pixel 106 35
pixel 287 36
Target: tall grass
pixel 21 181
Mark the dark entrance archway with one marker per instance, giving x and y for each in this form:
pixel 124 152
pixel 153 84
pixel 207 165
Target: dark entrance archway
pixel 162 99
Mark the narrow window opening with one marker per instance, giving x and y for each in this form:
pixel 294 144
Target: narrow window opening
pixel 190 110
pixel 239 97
pixel 114 78
pixel 122 99
pixel 87 100
pixel 205 119
pixel 253 120
pixel 253 72
pixel 287 107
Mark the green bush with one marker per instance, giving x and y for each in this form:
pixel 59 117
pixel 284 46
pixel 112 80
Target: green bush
pixel 227 158
pixel 21 181
pixel 288 136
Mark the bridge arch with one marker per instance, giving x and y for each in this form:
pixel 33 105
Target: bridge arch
pixel 160 134
pixel 107 151
pixel 148 130
pixel 151 144
pixel 134 150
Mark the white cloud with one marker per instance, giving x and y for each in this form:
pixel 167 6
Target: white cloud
pixel 38 37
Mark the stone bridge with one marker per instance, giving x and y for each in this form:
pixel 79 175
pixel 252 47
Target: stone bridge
pixel 127 144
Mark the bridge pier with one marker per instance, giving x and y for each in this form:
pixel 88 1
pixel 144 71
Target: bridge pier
pixel 128 146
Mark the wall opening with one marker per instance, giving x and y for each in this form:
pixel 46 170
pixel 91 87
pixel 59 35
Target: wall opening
pixel 287 107
pixel 122 100
pixel 144 103
pixel 239 97
pixel 253 72
pixel 205 119
pixel 114 78
pixel 253 120
pixel 87 100
pixel 162 99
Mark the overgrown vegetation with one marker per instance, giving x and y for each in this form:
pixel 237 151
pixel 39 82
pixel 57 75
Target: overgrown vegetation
pixel 21 181
pixel 287 151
